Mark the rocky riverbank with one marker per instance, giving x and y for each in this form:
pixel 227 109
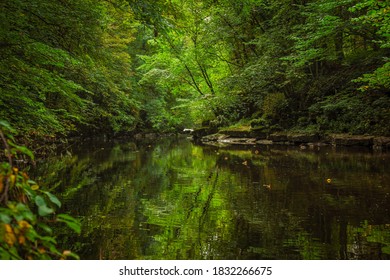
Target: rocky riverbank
pixel 253 137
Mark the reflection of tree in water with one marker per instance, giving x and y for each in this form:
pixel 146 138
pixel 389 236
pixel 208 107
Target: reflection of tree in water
pixel 175 200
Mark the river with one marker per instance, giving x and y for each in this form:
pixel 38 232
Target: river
pixel 173 199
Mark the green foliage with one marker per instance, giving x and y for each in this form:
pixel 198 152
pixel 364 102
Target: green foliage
pixel 123 65
pixel 27 210
pixel 67 65
pixel 377 16
pixel 353 113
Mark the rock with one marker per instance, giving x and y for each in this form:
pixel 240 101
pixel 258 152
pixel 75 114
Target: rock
pixel 278 137
pixel 239 133
pixel 351 140
pixel 317 144
pixel 264 142
pixel 151 136
pixel 259 133
pixel 249 136
pixel 203 131
pixel 214 137
pixel 138 136
pixel 238 141
pixel 381 142
pixel 299 138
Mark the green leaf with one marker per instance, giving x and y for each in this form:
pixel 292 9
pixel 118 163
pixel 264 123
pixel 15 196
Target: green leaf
pixel 31 182
pixel 45 227
pixel 70 222
pixel 7 126
pixel 44 210
pixel 53 199
pixel 22 149
pixel 386 250
pixel 72 255
pixel 48 239
pixel 24 213
pixel 40 201
pixel 5 218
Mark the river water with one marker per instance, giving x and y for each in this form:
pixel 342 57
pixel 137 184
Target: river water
pixel 173 199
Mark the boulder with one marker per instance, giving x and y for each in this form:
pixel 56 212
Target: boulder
pixel 351 140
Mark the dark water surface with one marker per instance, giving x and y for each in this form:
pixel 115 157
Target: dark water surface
pixel 173 199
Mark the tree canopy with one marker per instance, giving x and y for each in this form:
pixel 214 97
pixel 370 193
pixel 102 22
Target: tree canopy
pixel 118 67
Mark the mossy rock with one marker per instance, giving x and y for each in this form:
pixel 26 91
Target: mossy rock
pixel 237 133
pixel 203 131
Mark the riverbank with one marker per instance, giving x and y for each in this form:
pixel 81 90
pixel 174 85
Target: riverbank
pixel 253 137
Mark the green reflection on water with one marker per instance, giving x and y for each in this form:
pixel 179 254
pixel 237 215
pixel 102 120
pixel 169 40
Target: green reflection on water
pixel 177 200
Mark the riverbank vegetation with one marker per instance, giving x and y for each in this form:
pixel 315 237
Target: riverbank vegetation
pixel 120 67
pixel 28 211
pixel 83 67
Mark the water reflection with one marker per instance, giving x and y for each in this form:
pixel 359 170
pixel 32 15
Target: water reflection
pixel 177 200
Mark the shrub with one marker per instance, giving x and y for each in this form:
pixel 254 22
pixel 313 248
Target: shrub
pixel 26 209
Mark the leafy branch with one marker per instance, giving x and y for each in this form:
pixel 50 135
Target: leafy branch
pixel 26 209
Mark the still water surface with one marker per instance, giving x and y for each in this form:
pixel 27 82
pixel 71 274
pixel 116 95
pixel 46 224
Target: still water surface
pixel 173 199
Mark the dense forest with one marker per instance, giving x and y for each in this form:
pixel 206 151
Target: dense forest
pixel 121 67
pixel 77 67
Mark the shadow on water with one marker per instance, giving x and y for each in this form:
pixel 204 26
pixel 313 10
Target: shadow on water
pixel 173 199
